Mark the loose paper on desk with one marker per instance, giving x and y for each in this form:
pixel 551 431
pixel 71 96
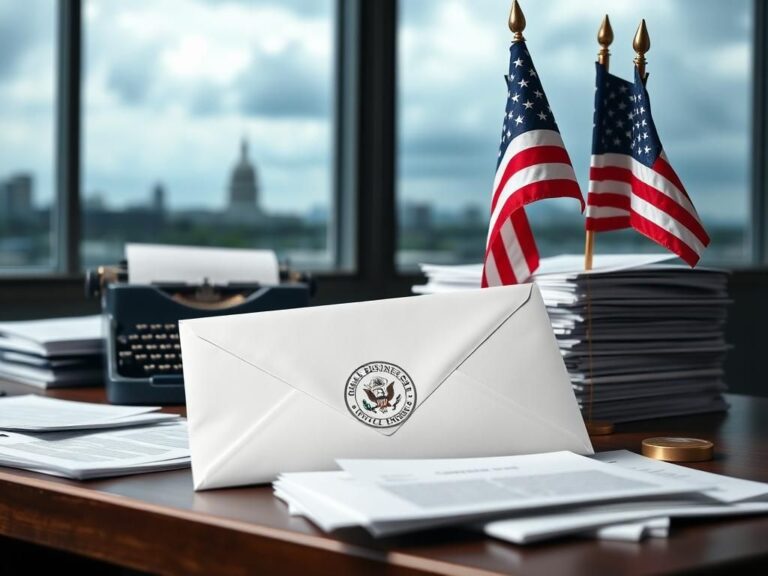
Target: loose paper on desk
pixel 100 453
pixel 53 337
pixel 394 496
pixel 40 414
pixel 726 497
pixel 632 531
pixel 152 263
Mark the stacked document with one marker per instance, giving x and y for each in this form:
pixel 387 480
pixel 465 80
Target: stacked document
pixel 640 338
pixel 520 499
pixel 52 353
pixel 633 520
pixel 81 440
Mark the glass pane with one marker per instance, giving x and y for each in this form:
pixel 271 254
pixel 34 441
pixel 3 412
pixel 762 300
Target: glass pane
pixel 452 58
pixel 27 172
pixel 208 123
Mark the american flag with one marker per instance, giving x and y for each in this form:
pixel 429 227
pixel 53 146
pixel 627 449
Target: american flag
pixel 631 183
pixel 532 165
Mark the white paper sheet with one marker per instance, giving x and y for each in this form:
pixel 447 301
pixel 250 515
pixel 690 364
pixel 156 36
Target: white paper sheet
pixel 150 263
pixel 633 531
pixel 528 529
pixel 81 335
pixel 39 414
pixel 725 488
pixel 85 455
pixel 727 497
pixel 391 496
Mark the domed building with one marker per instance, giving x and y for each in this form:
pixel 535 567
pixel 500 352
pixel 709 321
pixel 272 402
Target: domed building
pixel 244 185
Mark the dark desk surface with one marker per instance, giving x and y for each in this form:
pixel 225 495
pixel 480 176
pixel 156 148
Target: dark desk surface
pixel 155 522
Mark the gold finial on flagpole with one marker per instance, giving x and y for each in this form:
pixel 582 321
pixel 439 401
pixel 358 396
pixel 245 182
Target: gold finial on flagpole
pixel 605 39
pixel 641 44
pixel 516 22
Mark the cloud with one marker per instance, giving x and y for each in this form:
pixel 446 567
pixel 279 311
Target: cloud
pixel 288 83
pixel 131 76
pixel 24 30
pixel 301 8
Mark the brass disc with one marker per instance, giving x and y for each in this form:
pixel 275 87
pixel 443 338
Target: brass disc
pixel 671 449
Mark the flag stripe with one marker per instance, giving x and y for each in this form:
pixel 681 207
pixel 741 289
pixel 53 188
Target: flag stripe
pixel 612 163
pixel 674 210
pixel 608 211
pixel 527 158
pixel 527 243
pixel 608 200
pixel 642 188
pixel 508 255
pixel 600 187
pixel 665 238
pixel 545 182
pixel 530 139
pixel 665 222
pixel 663 167
pixel 490 273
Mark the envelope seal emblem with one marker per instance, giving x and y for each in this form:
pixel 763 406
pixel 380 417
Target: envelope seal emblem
pixel 380 394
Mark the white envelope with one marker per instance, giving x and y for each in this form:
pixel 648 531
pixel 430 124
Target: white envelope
pixel 465 374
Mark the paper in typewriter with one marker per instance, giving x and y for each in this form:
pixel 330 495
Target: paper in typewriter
pixel 153 263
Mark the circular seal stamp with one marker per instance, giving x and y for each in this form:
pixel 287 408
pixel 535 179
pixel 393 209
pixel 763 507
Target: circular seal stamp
pixel 380 394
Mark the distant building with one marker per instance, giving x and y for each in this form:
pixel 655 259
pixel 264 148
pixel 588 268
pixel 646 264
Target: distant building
pixel 244 184
pixel 16 198
pixel 158 198
pixel 472 215
pixel 95 201
pixel 416 215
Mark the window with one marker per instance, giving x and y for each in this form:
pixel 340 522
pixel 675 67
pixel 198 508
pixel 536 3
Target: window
pixel 208 123
pixel 27 87
pixel 451 100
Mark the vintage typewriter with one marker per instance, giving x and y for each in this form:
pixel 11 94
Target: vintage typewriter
pixel 143 352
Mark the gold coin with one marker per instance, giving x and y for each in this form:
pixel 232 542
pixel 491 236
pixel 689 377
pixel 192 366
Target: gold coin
pixel 671 449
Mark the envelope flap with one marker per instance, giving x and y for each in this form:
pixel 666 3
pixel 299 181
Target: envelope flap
pixel 375 361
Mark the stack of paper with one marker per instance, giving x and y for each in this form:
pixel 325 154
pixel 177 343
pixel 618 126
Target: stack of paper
pixel 82 440
pixel 518 498
pixel 52 353
pixel 635 520
pixel 640 338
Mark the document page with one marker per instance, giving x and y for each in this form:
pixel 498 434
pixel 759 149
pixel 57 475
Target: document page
pixel 77 452
pixel 724 488
pixel 38 413
pixel 726 497
pixel 418 489
pixel 534 528
pixel 78 335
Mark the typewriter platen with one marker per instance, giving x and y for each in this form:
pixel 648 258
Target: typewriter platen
pixel 144 362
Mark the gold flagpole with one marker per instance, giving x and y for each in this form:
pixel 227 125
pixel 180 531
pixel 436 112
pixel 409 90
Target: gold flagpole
pixel 604 38
pixel 596 428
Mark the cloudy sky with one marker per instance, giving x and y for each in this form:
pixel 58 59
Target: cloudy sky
pixel 171 87
pixel 452 93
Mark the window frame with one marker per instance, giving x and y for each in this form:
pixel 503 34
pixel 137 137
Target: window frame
pixel 363 226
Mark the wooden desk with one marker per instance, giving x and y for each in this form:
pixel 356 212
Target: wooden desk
pixel 156 523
